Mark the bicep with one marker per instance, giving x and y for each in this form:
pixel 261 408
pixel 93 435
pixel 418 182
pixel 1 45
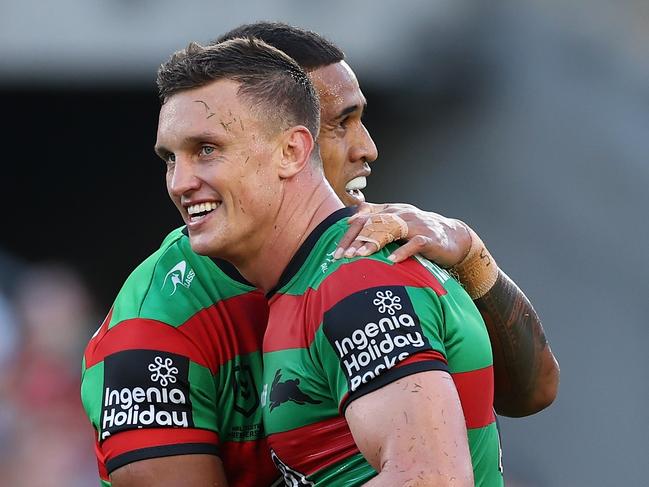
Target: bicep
pixel 414 424
pixel 185 470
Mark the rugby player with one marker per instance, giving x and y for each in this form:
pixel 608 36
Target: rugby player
pixel 358 354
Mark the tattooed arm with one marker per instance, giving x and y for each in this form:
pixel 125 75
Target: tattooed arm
pixel 526 372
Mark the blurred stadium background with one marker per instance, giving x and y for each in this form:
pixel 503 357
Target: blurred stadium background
pixel 529 120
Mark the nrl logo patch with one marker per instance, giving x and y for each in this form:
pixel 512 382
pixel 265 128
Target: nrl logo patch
pixel 246 397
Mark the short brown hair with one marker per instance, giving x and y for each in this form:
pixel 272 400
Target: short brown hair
pixel 268 78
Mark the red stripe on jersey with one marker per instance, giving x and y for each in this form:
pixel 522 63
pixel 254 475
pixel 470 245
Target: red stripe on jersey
pixel 330 441
pixel 144 334
pixel 236 327
pixel 101 460
pixel 236 457
pixel 96 338
pixel 290 312
pixel 422 356
pixel 132 440
pixel 210 338
pixel 475 389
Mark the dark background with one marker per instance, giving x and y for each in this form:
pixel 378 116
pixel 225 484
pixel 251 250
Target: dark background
pixel 528 120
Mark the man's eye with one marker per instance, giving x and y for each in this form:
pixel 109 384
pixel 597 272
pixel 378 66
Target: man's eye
pixel 170 158
pixel 207 150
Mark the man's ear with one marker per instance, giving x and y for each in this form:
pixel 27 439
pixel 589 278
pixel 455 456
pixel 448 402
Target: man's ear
pixel 297 146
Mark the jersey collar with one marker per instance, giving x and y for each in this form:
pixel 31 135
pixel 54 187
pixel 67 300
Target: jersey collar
pixel 305 249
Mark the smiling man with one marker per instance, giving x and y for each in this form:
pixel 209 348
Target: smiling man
pixel 351 345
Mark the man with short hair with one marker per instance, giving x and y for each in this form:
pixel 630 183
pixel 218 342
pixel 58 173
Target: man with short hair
pixel 353 345
pixel 206 293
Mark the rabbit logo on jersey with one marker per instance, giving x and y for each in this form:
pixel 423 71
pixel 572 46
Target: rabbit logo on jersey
pixel 145 389
pixel 388 331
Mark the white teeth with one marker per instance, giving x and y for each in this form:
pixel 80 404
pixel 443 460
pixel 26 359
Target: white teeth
pixel 356 183
pixel 202 207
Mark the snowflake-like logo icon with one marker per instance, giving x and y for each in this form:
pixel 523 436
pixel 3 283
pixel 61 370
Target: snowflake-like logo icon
pixel 163 371
pixel 387 302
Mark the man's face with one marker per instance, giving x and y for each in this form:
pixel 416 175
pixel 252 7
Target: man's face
pixel 345 145
pixel 218 172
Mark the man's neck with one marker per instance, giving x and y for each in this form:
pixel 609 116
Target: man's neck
pixel 306 201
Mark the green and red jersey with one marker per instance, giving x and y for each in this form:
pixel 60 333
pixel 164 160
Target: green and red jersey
pixel 175 368
pixel 340 329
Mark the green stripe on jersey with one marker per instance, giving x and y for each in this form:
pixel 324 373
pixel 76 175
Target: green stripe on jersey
pixel 291 414
pixel 202 395
pixel 158 288
pixel 485 456
pixel 356 472
pixel 92 380
pixel 466 346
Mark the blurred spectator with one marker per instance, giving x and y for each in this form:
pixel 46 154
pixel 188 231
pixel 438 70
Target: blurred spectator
pixel 42 419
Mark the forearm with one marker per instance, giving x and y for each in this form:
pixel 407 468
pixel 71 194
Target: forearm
pixel 525 371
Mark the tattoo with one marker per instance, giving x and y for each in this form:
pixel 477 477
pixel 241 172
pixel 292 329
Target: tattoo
pixel 517 340
pixel 484 255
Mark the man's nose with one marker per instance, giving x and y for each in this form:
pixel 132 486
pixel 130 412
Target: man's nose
pixel 183 178
pixel 365 148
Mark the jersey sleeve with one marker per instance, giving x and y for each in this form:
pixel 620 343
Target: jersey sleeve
pixel 383 322
pixel 148 393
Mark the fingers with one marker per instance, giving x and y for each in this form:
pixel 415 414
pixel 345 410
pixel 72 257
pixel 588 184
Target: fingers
pixel 376 233
pixel 416 245
pixel 352 232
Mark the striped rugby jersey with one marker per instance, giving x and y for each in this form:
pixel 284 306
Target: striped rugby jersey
pixel 340 329
pixel 175 368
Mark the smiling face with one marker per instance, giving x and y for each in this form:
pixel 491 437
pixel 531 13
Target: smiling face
pixel 345 145
pixel 218 155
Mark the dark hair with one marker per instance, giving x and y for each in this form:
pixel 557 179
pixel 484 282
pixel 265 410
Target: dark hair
pixel 310 50
pixel 267 78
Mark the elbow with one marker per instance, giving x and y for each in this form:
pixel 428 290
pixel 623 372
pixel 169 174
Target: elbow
pixel 547 392
pixel 543 395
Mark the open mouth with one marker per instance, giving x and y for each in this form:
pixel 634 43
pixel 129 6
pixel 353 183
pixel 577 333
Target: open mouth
pixel 355 186
pixel 199 211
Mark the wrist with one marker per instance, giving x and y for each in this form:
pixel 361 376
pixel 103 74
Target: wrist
pixel 478 271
